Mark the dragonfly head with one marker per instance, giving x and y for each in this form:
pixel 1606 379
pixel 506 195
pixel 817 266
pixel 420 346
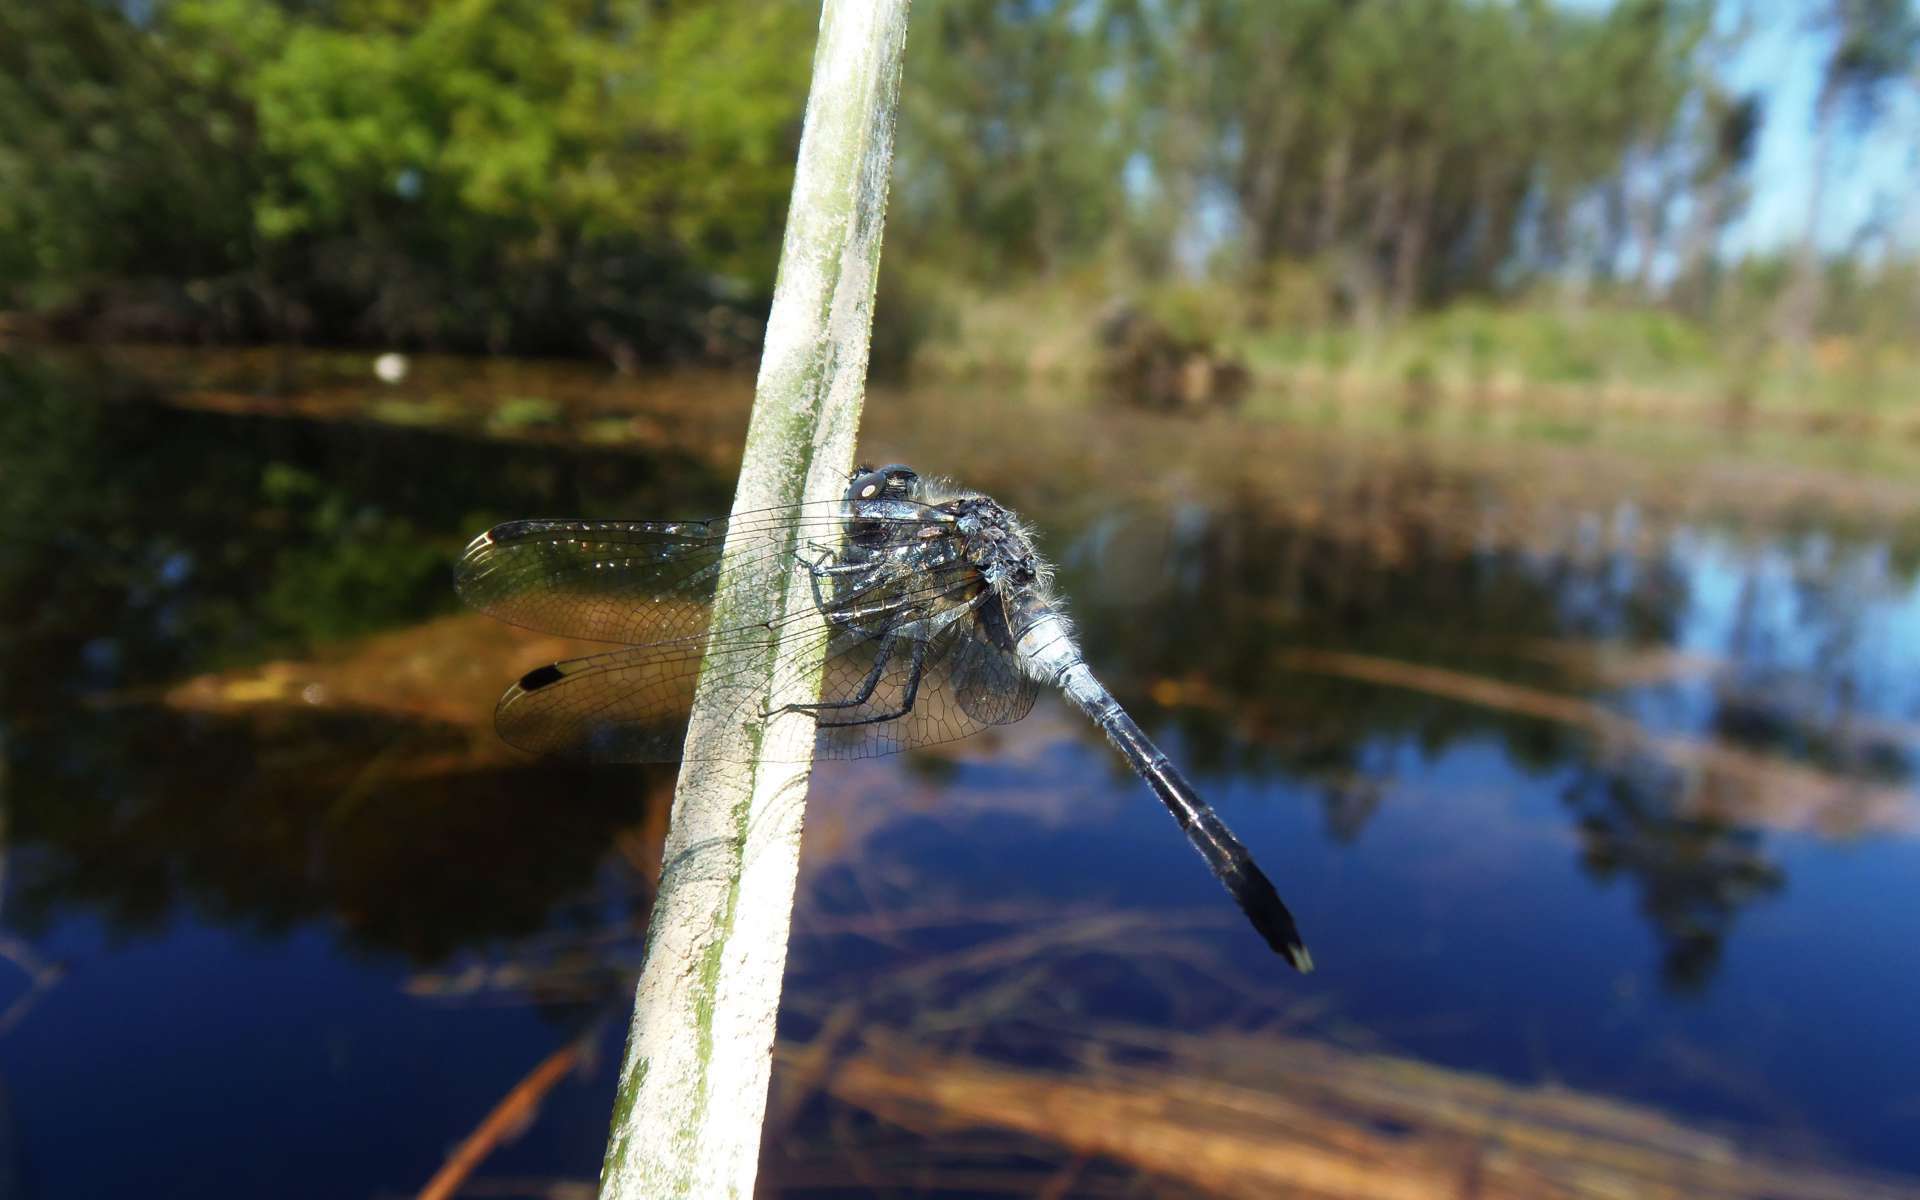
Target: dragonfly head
pixel 891 482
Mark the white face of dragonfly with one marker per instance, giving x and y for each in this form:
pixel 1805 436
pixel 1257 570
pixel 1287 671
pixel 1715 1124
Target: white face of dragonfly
pixel 892 482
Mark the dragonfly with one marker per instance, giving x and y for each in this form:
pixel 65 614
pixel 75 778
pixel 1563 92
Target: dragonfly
pixel 931 605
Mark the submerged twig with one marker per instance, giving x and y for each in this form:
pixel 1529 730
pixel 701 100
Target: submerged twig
pixel 1260 1116
pixel 1775 791
pixel 508 1117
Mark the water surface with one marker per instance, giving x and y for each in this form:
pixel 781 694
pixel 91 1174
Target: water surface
pixel 1587 767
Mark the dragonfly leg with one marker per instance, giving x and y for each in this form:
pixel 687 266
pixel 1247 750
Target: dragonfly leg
pixel 822 568
pixel 848 618
pixel 867 685
pixel 916 665
pixel 816 571
pixel 828 553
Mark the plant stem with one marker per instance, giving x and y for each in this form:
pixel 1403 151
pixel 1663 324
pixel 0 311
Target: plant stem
pixel 693 1087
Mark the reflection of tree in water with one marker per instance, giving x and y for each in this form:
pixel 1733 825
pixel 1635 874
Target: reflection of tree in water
pixel 1393 565
pixel 146 543
pixel 1413 566
pixel 1694 875
pixel 293 815
pixel 1803 636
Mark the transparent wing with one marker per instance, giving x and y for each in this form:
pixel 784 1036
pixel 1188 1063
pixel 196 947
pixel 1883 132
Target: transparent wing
pixel 631 705
pixel 987 681
pixel 627 705
pixel 966 683
pixel 639 582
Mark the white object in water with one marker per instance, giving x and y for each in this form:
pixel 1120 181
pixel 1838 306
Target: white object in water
pixel 390 367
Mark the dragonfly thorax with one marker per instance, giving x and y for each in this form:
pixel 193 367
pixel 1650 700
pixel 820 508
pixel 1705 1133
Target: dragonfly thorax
pixel 996 543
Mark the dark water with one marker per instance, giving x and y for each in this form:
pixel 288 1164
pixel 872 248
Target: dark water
pixel 1578 765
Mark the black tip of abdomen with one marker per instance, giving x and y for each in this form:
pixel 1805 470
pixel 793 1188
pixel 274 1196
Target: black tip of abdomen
pixel 1257 898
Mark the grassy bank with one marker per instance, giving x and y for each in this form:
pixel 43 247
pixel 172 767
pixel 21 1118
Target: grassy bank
pixel 1561 359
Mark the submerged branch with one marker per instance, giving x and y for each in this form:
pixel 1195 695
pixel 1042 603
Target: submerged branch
pixel 508 1117
pixel 1260 1115
pixel 1764 789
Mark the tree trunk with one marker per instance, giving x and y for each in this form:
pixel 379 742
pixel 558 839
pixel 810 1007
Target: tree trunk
pixel 693 1087
pixel 1644 205
pixel 1366 284
pixel 1410 250
pixel 1387 175
pixel 1491 210
pixel 1333 193
pixel 1266 175
pixel 1800 303
pixel 1690 284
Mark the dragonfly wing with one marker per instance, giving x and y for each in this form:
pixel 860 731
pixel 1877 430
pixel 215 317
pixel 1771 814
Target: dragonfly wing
pixel 988 683
pixel 965 685
pixel 627 705
pixel 631 704
pixel 636 582
pixel 607 581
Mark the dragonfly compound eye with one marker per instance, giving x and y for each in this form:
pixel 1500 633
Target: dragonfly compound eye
pixel 893 481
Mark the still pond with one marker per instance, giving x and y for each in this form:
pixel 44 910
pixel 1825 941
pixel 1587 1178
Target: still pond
pixel 1586 761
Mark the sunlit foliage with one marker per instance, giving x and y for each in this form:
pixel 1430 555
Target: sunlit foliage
pixel 610 176
pixel 503 173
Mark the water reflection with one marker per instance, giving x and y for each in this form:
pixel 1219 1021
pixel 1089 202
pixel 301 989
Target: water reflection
pixel 1445 639
pixel 1693 875
pixel 149 544
pixel 1475 697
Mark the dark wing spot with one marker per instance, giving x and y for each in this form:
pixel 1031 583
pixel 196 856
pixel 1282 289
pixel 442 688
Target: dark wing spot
pixel 540 677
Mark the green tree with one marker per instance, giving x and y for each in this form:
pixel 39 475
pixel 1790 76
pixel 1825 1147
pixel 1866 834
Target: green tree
pixel 1013 149
pixel 499 173
pixel 125 158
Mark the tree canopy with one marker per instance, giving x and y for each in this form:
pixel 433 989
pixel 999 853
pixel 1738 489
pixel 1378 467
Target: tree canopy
pixel 611 175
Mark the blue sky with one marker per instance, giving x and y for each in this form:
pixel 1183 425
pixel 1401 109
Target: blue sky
pixel 1782 58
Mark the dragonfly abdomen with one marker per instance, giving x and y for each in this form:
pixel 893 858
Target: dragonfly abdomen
pixel 1225 855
